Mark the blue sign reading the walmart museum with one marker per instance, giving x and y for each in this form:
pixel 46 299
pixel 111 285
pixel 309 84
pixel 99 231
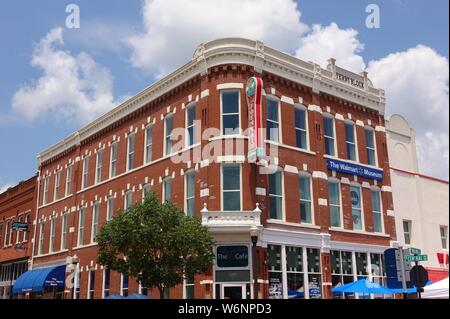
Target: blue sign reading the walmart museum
pixel 354 169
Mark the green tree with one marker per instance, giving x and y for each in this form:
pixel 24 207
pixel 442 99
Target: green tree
pixel 156 243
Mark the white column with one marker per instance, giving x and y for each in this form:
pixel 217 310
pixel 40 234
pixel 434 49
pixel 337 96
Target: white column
pixel 284 271
pixel 355 274
pixel 305 272
pixel 369 271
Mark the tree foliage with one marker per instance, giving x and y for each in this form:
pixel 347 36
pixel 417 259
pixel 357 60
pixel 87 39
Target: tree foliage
pixel 156 243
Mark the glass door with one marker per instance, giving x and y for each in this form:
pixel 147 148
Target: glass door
pixel 235 292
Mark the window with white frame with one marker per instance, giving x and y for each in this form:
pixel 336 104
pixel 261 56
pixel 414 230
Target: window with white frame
pixel 81 220
pixel 377 214
pixel 167 190
pixel 91 286
pixel 275 272
pixel 113 160
pixel 85 172
pixel 190 193
pixel 334 202
pixel 350 141
pixel 230 112
pixel 46 186
pixel 128 199
pixel 52 234
pixel 190 125
pixel 231 187
pixel 146 189
pixel 272 121
pixel 8 233
pixel 189 288
pixel 305 199
pixel 57 184
pixel 355 192
pixel 41 238
pixel 25 233
pixel 168 124
pixel 276 195
pixel 110 208
pixel 444 236
pixel 76 284
pixel 301 128
pixel 1 233
pixel 148 143
pixel 124 285
pixel 341 270
pixel 106 281
pixel 95 217
pixel 69 180
pixel 98 166
pixel 407 231
pixel 19 232
pixel 370 146
pixel 130 151
pixel 64 230
pixel 294 269
pixel 328 129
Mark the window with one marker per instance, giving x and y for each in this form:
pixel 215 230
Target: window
pixel 189 288
pixel 355 192
pixel 350 141
pixel 46 185
pixel 124 285
pixel 230 112
pixel 295 274
pixel 95 215
pixel 190 127
pixel 69 180
pixel 275 272
pixel 19 232
pixel 8 233
pixel 377 214
pixel 1 233
pixel 275 196
pixel 273 124
pixel 25 233
pixel 128 200
pixel 98 166
pixel 341 270
pixel 146 189
pixel 301 135
pixel 305 199
pixel 334 204
pixel 444 236
pixel 91 284
pixel 370 147
pixel 328 129
pixel 85 171
pixel 314 273
pixel 57 184
pixel 113 164
pixel 148 143
pixel 81 226
pixel 110 208
pixel 168 134
pixel 64 225
pixel 106 281
pixel 407 231
pixel 231 187
pixel 190 193
pixel 130 151
pixel 41 237
pixel 52 233
pixel 76 284
pixel 361 265
pixel 167 190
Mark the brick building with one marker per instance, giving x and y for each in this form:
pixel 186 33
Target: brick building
pixel 17 204
pixel 321 207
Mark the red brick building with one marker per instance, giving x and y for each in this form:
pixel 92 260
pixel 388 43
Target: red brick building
pixel 17 204
pixel 322 217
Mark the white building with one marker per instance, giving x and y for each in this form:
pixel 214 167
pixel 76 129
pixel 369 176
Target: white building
pixel 420 202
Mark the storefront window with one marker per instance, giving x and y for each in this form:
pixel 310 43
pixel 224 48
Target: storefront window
pixel 275 275
pixel 314 273
pixel 341 271
pixel 295 275
pixel 361 265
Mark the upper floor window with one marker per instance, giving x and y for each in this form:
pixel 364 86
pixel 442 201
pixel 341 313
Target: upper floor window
pixel 230 112
pixel 130 151
pixel 231 187
pixel 350 141
pixel 91 289
pixel 64 229
pixel 334 201
pixel 168 134
pixel 355 192
pixel 444 236
pixel 110 208
pixel 146 189
pixel 69 180
pixel 148 143
pixel 273 122
pixel 98 166
pixel 190 125
pixel 328 129
pixel 190 193
pixel 95 217
pixel 276 195
pixel 113 160
pixel 8 233
pixel 377 214
pixel 106 281
pixel 301 132
pixel 19 232
pixel 57 184
pixel 85 172
pixel 46 186
pixel 25 233
pixel 81 219
pixel 52 233
pixel 370 147
pixel 128 199
pixel 41 238
pixel 1 233
pixel 305 199
pixel 124 285
pixel 407 231
pixel 167 190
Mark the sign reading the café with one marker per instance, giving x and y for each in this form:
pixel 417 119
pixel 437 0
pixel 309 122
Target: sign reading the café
pixel 232 256
pixel 354 169
pixel 255 141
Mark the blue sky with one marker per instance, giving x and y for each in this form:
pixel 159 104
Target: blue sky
pixel 110 29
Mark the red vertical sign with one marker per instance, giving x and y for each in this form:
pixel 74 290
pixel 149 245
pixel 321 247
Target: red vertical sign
pixel 255 143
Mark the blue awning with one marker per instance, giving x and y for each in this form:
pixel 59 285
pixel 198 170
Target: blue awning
pixel 39 279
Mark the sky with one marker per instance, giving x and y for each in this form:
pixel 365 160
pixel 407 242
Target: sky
pixel 55 79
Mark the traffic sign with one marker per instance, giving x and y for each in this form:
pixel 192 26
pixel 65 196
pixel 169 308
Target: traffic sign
pixel 416 258
pixel 419 276
pixel 414 251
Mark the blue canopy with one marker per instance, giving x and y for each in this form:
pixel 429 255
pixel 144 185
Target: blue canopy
pixel 138 296
pixel 115 296
pixel 39 279
pixel 412 290
pixel 295 294
pixel 363 286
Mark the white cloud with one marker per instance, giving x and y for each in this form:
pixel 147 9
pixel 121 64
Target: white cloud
pixel 172 29
pixel 72 87
pixel 327 42
pixel 416 84
pixel 5 187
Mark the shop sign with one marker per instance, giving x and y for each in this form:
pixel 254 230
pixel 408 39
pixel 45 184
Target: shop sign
pixel 255 141
pixel 17 226
pixel 275 288
pixel 232 256
pixel 314 288
pixel 355 169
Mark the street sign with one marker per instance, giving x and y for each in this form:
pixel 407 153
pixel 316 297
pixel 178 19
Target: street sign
pixel 19 226
pixel 419 276
pixel 414 251
pixel 416 258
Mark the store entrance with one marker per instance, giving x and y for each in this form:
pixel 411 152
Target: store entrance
pixel 235 292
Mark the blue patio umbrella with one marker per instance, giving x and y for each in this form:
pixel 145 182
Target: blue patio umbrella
pixel 412 290
pixel 363 286
pixel 295 294
pixel 115 296
pixel 138 296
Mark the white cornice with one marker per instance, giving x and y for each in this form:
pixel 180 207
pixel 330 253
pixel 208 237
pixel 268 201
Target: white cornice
pixel 235 51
